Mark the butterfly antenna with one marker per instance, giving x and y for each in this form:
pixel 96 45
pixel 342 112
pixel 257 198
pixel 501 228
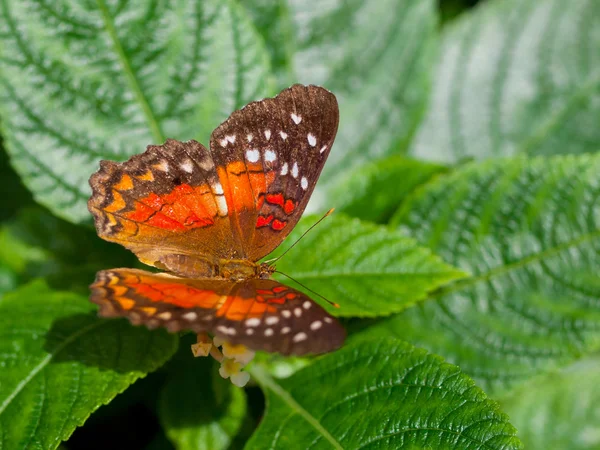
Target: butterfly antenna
pixel 335 305
pixel 298 240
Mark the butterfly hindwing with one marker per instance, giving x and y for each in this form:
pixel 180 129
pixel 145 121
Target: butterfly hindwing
pixel 269 156
pixel 261 314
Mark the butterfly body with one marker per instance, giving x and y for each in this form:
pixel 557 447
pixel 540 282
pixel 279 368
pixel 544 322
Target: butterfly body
pixel 207 217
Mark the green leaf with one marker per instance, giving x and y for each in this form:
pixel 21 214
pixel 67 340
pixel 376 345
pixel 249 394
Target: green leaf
pixel 380 394
pixel 516 77
pixel 199 409
pixel 368 269
pixel 529 232
pixel 374 191
pixel 559 411
pixel 88 81
pixel 60 363
pixel 376 57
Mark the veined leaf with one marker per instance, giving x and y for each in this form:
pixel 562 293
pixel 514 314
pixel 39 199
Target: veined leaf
pixel 101 80
pixel 560 410
pixel 60 363
pixel 199 409
pixel 516 77
pixel 529 232
pixel 374 191
pixel 376 57
pixel 368 269
pixel 380 394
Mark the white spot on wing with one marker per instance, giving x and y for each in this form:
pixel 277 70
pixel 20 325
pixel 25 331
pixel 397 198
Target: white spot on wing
pixel 190 316
pixel 187 166
pixel 295 118
pixel 271 320
pixel 285 330
pixel 221 205
pixel 311 140
pixel 284 169
pixel 306 304
pixel 295 170
pixel 207 163
pixel 250 137
pixel 249 331
pixel 253 322
pixel 316 325
pixel 230 139
pixel 268 134
pixel 217 188
pixel 286 313
pixel 162 165
pixel 304 183
pixel 328 319
pixel 297 312
pixel 269 332
pixel 270 155
pixel 223 142
pixel 226 330
pixel 300 337
pixel 253 155
pixel 164 315
pixel 323 149
pixel 283 135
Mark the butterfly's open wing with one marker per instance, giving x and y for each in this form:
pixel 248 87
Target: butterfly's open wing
pixel 237 201
pixel 167 200
pixel 269 156
pixel 261 314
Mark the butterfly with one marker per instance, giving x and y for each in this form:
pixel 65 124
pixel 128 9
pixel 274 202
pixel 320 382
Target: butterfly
pixel 208 216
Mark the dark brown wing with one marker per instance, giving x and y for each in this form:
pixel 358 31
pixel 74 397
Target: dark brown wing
pixel 260 314
pixel 269 156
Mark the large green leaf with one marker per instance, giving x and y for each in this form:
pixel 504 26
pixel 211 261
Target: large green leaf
pixel 529 232
pixel 516 76
pixel 60 363
pixel 376 56
pixel 101 80
pixel 374 191
pixel 559 411
pixel 380 394
pixel 199 409
pixel 368 269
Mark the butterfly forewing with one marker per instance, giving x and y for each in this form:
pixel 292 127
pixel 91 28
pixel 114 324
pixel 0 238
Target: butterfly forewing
pixel 261 314
pixel 169 195
pixel 270 155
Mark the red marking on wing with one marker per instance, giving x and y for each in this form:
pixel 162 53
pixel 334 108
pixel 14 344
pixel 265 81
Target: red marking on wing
pixel 289 207
pixel 183 208
pixel 278 225
pixel 263 221
pixel 275 199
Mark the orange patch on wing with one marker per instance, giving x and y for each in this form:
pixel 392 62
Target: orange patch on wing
pixel 125 184
pixel 126 303
pixel 148 176
pixel 182 208
pixel 117 204
pixel 236 187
